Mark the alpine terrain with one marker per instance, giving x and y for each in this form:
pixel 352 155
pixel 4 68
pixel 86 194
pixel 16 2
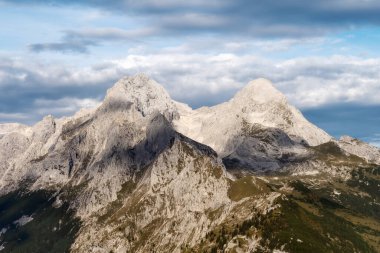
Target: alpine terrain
pixel 144 173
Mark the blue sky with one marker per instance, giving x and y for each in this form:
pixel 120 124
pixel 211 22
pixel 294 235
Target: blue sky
pixel 59 56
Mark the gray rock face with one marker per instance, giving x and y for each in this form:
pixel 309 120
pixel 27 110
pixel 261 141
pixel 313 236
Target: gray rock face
pixel 260 149
pixel 142 93
pixel 169 202
pixel 360 148
pixel 229 128
pixel 95 151
pixel 141 172
pixel 257 103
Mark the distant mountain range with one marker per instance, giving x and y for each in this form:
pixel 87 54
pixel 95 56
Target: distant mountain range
pixel 144 173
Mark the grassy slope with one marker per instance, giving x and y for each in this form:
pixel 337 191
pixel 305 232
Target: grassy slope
pixel 51 230
pixel 315 216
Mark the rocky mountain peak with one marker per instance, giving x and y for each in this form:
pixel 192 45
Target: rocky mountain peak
pixel 259 102
pixel 259 91
pixel 146 96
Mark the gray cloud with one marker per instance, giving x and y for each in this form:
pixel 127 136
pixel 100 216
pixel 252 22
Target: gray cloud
pixel 63 106
pixel 253 18
pixel 63 47
pixel 196 79
pixel 308 82
pixel 79 41
pixel 29 90
pixel 102 34
pixel 223 19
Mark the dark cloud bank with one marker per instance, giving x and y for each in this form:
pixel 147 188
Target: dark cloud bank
pixel 241 18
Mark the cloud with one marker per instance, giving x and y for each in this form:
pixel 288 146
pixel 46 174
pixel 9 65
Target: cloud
pixel 27 86
pixel 41 107
pixel 31 87
pixel 63 106
pixel 308 82
pixel 249 18
pixel 63 47
pixel 12 117
pixel 223 20
pixel 79 41
pixel 107 33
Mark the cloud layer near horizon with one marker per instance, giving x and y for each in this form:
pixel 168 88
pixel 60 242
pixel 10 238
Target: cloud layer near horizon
pixel 192 78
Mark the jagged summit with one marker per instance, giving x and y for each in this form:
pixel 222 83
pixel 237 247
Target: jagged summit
pixel 259 91
pixel 146 95
pixel 259 102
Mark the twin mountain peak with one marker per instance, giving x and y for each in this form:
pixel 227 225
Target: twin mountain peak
pixel 255 129
pixel 150 95
pixel 226 126
pixel 258 103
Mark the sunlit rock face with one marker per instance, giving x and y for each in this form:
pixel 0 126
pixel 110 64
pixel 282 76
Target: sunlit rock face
pixel 144 173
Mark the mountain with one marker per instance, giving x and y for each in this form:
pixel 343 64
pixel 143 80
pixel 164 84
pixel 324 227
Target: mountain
pixel 255 114
pixel 257 103
pixel 144 173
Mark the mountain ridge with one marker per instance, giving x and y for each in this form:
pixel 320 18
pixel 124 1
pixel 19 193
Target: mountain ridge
pixel 259 104
pixel 142 173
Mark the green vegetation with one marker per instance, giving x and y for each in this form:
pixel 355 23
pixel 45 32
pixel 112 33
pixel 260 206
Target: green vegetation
pixel 51 230
pixel 348 214
pixel 331 154
pixel 245 187
pixel 302 231
pixel 366 180
pixel 314 217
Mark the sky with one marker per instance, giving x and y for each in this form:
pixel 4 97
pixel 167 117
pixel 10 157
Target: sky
pixel 59 56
